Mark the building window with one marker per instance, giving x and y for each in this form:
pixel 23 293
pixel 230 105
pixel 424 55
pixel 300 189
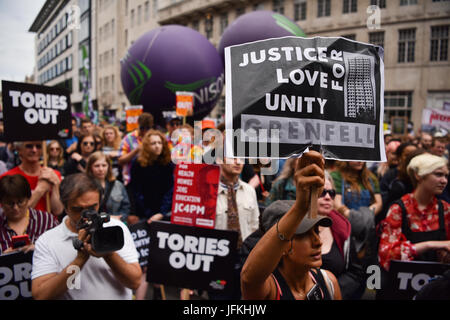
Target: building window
pixel 147 11
pixel 439 43
pixel 112 27
pixel 195 25
pixel 132 18
pixel 240 11
pixel 155 8
pixel 126 38
pixel 139 15
pixel 223 22
pixel 258 6
pixel 406 45
pixel 349 36
pixel 299 10
pixel 350 6
pixel 278 6
pixel 380 3
pixel 397 104
pixel 323 8
pixel 377 38
pixel 407 2
pixel 209 21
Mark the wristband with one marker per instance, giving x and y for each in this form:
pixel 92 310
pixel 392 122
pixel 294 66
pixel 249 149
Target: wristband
pixel 281 236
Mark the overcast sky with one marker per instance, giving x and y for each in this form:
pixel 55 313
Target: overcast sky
pixel 16 43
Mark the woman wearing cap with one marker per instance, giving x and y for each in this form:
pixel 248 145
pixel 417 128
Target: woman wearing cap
pixel 417 227
pixel 338 247
pixel 285 263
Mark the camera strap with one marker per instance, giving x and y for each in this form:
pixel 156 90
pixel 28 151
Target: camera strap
pixel 109 186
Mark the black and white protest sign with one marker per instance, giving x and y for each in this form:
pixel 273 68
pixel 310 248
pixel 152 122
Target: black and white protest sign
pixel 15 276
pixel 286 94
pixel 141 236
pixel 33 112
pixel 191 257
pixel 406 278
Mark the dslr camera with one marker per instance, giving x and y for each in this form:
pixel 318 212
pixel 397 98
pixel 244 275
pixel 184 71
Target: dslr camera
pixel 103 240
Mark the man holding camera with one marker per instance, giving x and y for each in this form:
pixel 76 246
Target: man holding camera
pixel 62 272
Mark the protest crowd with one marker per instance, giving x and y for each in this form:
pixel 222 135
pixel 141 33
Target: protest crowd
pixel 368 213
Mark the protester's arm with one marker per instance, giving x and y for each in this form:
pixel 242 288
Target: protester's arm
pixel 127 157
pixel 256 282
pixel 377 205
pixel 129 274
pixel 54 285
pixel 49 284
pixel 42 187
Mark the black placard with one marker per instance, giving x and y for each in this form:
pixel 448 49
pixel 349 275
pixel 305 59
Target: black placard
pixel 33 112
pixel 406 278
pixel 15 276
pixel 141 236
pixel 191 257
pixel 325 92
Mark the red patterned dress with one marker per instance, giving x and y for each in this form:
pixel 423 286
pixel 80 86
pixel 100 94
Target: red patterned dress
pixel 394 245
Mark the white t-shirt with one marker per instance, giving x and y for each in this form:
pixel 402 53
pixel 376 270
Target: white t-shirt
pixel 54 252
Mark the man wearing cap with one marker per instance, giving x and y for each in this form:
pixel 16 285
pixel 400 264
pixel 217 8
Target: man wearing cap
pixel 285 263
pixel 236 209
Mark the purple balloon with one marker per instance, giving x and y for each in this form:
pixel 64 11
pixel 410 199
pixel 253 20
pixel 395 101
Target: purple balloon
pixel 169 59
pixel 258 25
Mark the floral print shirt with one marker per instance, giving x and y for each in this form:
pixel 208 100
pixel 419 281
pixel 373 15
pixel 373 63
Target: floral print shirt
pixel 393 243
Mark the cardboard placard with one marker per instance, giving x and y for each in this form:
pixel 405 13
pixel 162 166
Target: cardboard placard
pixel 32 112
pixel 195 195
pixel 190 257
pixel 286 94
pixel 185 103
pixel 132 116
pixel 15 276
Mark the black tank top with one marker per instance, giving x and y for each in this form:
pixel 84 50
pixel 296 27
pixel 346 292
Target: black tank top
pixel 333 261
pixel 284 292
pixel 416 237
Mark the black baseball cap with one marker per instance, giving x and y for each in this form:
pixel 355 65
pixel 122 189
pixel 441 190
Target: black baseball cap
pixel 277 209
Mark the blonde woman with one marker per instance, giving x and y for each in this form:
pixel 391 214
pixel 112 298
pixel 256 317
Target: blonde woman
pixel 115 198
pixel 111 141
pixel 55 156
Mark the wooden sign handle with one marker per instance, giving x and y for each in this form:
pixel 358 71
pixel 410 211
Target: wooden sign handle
pixel 312 214
pixel 44 156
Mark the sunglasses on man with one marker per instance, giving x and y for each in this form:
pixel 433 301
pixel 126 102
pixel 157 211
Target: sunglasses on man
pixel 331 192
pixel 33 145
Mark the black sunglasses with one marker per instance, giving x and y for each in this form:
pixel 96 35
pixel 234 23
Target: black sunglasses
pixel 331 192
pixel 144 128
pixel 31 145
pixel 88 143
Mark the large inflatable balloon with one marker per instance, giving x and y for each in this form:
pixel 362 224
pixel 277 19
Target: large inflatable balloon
pixel 169 59
pixel 258 25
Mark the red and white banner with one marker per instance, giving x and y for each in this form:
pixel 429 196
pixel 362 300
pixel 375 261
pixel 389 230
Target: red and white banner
pixel 195 195
pixel 436 118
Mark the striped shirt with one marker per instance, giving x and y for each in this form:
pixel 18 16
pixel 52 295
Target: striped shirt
pixel 40 221
pixel 130 142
